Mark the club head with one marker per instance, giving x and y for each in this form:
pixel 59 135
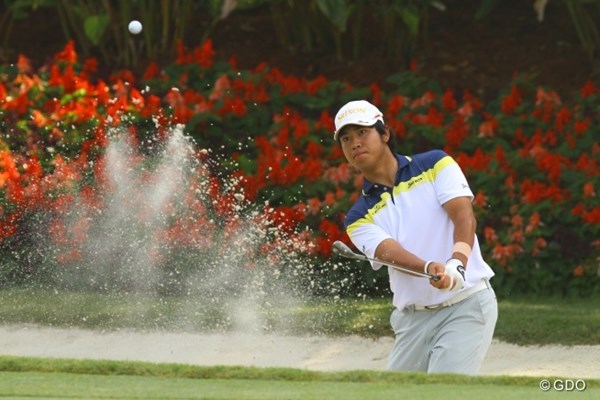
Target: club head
pixel 343 250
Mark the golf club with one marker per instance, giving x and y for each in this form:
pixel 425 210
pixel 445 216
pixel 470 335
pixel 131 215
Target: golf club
pixel 345 251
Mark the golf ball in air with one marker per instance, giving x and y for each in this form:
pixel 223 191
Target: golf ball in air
pixel 135 27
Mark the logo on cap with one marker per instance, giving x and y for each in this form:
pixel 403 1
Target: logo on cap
pixel 358 112
pixel 351 111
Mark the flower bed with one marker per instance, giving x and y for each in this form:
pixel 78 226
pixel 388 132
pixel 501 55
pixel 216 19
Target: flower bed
pixel 532 160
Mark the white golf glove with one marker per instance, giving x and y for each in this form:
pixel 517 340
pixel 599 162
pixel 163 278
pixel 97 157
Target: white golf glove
pixel 456 271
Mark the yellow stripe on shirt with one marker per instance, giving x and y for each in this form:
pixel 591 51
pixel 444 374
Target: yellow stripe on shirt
pixel 425 176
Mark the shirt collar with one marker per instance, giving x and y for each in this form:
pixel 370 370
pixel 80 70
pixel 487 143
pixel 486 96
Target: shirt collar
pixel 369 186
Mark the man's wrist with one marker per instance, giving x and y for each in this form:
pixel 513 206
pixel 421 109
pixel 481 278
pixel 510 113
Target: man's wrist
pixel 426 266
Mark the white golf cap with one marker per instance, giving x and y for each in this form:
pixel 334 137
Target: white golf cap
pixel 358 112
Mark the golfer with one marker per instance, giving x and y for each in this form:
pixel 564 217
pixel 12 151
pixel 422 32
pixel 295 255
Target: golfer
pixel 416 211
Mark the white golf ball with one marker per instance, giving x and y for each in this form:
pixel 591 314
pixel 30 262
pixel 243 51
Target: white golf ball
pixel 135 27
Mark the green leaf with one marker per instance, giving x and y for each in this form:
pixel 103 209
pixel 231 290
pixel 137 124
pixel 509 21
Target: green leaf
pixel 95 26
pixel 411 18
pixel 337 11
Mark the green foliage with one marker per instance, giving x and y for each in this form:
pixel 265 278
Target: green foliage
pixel 584 16
pixel 530 158
pixel 322 25
pixel 95 26
pixel 339 27
pixel 100 27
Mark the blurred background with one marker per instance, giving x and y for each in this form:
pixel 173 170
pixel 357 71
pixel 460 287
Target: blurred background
pixel 477 45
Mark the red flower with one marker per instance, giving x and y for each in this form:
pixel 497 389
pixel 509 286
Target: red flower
pixel 19 105
pixel 592 216
pixel 588 190
pixel 221 88
pixel 377 95
pixel 68 54
pixel 589 89
pixel 314 149
pixel 563 118
pixel 488 128
pixel 312 169
pixel 313 205
pixel 8 168
pixel 542 96
pixel 426 99
pixel 395 105
pixel 552 164
pixel 586 164
pixel 414 64
pixel 152 71
pixel 581 127
pixel 336 153
pixel 533 192
pixel 204 55
pixel 448 101
pixel 480 200
pixel 539 244
pixel 285 218
pixel 477 162
pixel 456 133
pixel 234 106
pixel 433 118
pixel 534 222
pixel 24 65
pixel 490 235
pixel 512 101
pixel 316 84
pixel 89 67
pixel 331 231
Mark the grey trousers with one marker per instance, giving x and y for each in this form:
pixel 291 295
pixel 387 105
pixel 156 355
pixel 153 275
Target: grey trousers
pixel 453 339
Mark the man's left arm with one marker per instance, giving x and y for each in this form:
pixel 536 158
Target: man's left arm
pixel 461 213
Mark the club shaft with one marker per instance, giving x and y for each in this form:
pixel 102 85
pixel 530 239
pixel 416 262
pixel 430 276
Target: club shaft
pixel 400 268
pixel 346 252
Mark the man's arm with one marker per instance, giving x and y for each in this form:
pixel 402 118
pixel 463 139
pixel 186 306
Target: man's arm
pixel 461 213
pixel 391 251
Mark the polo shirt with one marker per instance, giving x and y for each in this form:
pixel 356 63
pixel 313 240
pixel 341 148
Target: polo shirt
pixel 411 213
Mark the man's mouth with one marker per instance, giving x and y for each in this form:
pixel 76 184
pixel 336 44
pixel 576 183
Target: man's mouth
pixel 359 153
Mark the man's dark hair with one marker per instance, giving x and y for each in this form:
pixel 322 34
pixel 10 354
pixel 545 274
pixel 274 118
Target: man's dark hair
pixel 381 129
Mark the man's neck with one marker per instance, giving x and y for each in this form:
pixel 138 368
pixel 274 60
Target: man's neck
pixel 385 171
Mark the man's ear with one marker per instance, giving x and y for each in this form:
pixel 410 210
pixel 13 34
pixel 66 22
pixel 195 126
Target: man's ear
pixel 386 136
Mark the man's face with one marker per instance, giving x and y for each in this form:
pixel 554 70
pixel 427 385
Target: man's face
pixel 363 146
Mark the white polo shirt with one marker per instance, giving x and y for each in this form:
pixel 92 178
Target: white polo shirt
pixel 411 213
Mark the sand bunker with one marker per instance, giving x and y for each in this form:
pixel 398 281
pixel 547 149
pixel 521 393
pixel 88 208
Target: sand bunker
pixel 272 350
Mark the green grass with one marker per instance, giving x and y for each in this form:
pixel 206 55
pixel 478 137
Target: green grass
pixel 55 378
pixel 521 320
pixel 540 321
